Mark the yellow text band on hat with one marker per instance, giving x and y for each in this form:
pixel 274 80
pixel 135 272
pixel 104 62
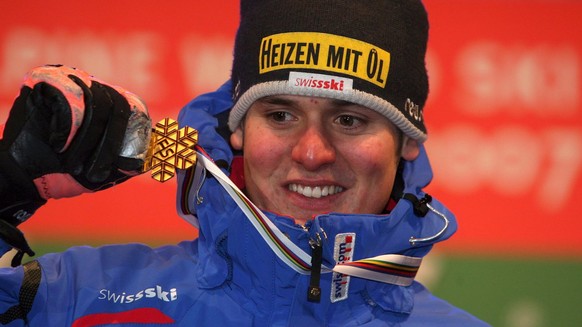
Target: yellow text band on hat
pixel 324 52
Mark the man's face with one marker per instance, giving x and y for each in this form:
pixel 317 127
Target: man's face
pixel 305 156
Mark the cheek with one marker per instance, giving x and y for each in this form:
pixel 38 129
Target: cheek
pixel 262 152
pixel 376 162
pixel 374 156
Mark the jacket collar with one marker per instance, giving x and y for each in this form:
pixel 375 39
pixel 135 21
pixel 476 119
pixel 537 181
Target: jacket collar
pixel 227 241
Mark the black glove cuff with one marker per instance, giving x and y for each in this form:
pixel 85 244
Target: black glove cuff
pixel 16 239
pixel 19 198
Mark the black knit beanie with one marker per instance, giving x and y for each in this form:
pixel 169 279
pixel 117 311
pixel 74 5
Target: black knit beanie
pixel 369 52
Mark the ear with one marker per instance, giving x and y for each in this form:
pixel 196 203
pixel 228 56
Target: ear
pixel 410 149
pixel 236 139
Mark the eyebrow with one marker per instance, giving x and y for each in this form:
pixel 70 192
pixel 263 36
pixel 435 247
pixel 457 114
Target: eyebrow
pixel 274 99
pixel 343 103
pixel 281 100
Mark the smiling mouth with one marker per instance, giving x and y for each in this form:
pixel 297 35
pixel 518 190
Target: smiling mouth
pixel 315 191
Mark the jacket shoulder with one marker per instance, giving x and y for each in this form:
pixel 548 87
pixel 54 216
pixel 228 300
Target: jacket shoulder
pixel 434 311
pixel 85 281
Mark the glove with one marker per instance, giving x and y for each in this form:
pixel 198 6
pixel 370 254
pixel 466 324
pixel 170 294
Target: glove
pixel 66 134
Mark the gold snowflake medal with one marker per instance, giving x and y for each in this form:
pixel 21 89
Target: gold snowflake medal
pixel 170 148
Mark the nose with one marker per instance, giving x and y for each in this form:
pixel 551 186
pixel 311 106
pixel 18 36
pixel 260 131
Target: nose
pixel 313 149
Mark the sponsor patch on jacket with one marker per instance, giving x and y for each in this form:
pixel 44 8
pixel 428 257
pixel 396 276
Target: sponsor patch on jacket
pixel 343 252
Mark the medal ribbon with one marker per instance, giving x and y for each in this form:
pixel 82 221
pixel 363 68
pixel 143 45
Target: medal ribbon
pixel 389 268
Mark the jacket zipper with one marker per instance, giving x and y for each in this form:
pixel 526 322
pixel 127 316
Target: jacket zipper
pixel 316 244
pixel 314 291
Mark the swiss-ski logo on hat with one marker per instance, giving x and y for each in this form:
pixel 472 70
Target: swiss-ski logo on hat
pixel 319 81
pixel 324 52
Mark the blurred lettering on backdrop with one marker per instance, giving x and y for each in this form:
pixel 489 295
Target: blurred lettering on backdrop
pixel 504 112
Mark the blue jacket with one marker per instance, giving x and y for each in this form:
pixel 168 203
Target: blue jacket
pixel 229 276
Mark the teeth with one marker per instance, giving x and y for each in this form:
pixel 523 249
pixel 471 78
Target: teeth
pixel 316 191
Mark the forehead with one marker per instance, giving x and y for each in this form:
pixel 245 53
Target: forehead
pixel 308 101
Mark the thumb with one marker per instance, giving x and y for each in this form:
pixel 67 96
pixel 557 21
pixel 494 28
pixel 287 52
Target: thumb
pixel 52 110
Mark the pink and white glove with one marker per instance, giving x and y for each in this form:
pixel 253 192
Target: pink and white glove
pixel 68 133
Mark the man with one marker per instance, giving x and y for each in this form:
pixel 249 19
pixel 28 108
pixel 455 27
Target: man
pixel 331 224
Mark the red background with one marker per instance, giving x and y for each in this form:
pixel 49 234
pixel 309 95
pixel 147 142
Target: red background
pixel 504 113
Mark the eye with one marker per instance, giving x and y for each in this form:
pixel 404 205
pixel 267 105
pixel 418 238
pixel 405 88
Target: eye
pixel 280 116
pixel 349 121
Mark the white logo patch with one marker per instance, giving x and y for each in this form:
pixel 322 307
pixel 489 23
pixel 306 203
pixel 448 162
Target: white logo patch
pixel 319 81
pixel 343 252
